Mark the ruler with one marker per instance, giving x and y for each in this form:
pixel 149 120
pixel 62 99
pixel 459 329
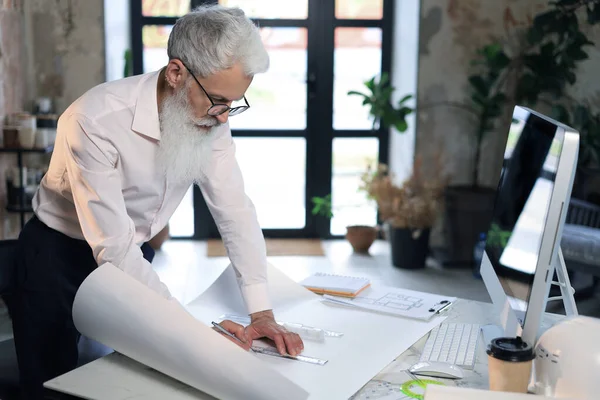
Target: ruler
pixel 275 353
pixel 246 320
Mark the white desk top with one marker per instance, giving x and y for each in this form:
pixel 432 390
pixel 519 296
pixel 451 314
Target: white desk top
pixel 117 377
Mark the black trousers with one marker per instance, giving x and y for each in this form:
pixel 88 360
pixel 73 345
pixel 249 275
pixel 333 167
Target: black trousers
pixel 51 266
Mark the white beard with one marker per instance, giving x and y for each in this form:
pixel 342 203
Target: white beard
pixel 183 154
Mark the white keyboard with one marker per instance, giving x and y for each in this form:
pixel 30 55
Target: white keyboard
pixel 452 343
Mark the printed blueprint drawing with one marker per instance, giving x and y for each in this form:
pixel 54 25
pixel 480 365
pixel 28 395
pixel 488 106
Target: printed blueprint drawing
pixel 396 301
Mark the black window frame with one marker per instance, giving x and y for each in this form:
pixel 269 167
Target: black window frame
pixel 319 131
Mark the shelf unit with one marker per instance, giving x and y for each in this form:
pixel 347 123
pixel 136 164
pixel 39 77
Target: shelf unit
pixel 21 209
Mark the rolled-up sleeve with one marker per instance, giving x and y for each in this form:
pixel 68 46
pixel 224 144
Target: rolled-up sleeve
pixel 96 189
pixel 235 215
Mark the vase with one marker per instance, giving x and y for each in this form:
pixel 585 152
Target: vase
pixel 361 237
pixel 469 212
pixel 410 247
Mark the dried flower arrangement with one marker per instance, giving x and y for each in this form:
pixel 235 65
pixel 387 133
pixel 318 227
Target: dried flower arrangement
pixel 413 205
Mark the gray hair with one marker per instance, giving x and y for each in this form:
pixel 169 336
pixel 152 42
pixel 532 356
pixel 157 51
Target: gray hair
pixel 213 38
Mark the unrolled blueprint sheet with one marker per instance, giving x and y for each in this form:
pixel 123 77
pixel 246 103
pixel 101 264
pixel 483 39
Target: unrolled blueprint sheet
pixel 370 340
pixel 114 309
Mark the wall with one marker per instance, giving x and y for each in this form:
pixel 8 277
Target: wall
pixel 450 33
pixel 66 48
pixel 405 55
pixel 47 48
pixel 12 87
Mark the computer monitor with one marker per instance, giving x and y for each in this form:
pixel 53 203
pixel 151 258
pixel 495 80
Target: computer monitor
pixel 523 242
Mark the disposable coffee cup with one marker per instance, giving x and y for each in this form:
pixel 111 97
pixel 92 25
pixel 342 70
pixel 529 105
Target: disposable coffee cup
pixel 509 364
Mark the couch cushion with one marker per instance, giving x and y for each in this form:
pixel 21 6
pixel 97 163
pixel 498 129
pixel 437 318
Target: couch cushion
pixel 581 244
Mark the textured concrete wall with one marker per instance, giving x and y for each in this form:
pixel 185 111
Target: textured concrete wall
pixel 52 48
pixel 450 33
pixel 67 46
pixel 12 88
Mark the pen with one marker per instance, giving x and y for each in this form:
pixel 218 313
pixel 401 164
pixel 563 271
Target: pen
pixel 226 332
pixel 444 307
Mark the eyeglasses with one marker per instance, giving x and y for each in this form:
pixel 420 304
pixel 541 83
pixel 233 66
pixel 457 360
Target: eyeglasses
pixel 216 108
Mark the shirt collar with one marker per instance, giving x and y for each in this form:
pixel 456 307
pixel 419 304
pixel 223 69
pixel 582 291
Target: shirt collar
pixel 145 117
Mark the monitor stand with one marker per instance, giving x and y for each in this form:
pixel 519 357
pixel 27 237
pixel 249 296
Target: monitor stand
pixel 492 331
pixel 564 282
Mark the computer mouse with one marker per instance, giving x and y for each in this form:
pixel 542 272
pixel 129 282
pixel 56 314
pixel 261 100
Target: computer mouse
pixel 437 369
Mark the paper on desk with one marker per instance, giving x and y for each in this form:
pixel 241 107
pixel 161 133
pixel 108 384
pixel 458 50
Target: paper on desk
pixel 114 309
pixel 396 301
pixel 370 341
pixel 436 392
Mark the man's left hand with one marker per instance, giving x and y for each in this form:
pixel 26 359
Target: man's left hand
pixel 263 325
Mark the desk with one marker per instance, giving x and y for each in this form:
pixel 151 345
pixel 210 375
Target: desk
pixel 118 377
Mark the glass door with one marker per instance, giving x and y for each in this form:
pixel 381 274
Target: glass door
pixel 304 136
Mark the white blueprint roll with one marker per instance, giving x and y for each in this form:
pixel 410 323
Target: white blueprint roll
pixel 116 310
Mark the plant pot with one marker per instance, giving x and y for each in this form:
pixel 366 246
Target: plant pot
pixel 469 211
pixel 361 237
pixel 409 247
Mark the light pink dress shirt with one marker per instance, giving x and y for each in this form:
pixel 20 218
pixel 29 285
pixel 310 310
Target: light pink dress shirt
pixel 102 186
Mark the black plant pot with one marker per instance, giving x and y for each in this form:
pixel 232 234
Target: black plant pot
pixel 469 212
pixel 409 251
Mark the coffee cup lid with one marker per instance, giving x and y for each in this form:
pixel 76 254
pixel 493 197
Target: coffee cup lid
pixel 510 349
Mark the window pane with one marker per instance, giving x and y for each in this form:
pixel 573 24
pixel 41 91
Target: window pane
pixel 274 171
pixel 165 8
pixel 278 98
pixel 357 58
pixel 296 9
pixel 359 9
pixel 181 223
pixel 155 38
pixel 351 156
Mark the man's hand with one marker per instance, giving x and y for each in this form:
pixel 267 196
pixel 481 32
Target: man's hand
pixel 263 325
pixel 238 331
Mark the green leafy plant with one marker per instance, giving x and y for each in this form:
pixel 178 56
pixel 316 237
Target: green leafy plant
pixel 588 123
pixel 128 68
pixel 322 206
pixel 379 100
pixel 497 237
pixel 540 69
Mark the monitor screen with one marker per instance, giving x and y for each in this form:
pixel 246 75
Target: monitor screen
pixel 522 201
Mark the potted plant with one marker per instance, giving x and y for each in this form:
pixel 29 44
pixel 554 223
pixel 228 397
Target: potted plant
pixel 410 210
pixel 360 237
pixel 534 68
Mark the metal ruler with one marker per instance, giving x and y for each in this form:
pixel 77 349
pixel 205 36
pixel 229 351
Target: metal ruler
pixel 246 320
pixel 275 353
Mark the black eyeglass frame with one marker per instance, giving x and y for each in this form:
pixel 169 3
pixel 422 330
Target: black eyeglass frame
pixel 232 110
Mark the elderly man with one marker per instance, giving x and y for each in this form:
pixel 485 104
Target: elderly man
pixel 126 153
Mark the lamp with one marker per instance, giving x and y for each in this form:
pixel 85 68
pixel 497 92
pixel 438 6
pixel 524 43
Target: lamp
pixel 568 359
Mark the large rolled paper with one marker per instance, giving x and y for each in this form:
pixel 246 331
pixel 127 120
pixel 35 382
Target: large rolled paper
pixel 116 310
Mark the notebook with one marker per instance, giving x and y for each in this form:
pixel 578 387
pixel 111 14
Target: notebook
pixel 336 285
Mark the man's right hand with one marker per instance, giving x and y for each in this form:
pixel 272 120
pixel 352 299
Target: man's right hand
pixel 238 330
